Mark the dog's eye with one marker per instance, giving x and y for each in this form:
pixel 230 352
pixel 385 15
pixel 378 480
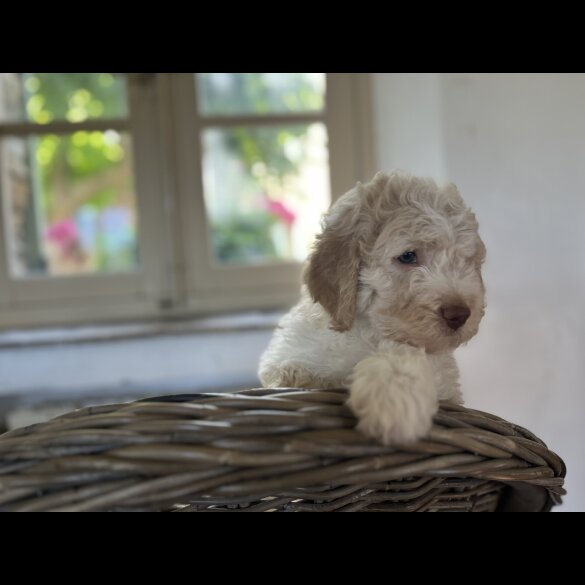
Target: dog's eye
pixel 408 258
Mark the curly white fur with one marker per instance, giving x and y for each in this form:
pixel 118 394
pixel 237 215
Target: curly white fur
pixel 371 322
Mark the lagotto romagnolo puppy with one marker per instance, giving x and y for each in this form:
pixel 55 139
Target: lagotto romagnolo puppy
pixel 392 287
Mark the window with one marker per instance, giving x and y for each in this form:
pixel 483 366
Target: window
pixel 138 195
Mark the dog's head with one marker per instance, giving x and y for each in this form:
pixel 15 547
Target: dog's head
pixel 405 253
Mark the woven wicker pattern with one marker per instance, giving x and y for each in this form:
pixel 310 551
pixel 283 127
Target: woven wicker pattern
pixel 270 450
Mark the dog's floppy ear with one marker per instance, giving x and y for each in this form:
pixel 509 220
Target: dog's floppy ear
pixel 332 274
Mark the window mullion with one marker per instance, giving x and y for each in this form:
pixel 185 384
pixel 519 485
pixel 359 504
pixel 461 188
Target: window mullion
pixel 149 172
pixel 183 132
pixel 27 128
pixel 265 120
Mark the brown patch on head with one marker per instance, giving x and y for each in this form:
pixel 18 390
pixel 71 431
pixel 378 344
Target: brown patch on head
pixel 332 277
pixel 334 266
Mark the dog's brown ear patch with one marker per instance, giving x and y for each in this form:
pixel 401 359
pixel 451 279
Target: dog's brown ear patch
pixel 332 280
pixel 350 228
pixel 332 277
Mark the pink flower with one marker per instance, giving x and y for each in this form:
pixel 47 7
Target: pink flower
pixel 64 233
pixel 279 209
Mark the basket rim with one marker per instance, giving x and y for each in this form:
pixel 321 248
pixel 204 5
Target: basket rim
pixel 252 444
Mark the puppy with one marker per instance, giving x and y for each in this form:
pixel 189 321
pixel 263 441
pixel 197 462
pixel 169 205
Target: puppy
pixel 393 286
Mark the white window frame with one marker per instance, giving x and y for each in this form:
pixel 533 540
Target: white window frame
pixel 177 276
pixel 209 286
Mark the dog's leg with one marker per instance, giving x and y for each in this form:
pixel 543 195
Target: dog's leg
pixel 393 394
pixel 290 375
pixel 446 377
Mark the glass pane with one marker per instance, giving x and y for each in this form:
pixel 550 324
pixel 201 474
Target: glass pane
pixel 69 204
pixel 260 93
pixel 265 190
pixel 45 97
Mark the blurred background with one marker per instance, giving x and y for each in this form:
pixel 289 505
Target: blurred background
pixel 153 227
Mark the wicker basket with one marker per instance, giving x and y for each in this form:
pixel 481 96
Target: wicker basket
pixel 270 450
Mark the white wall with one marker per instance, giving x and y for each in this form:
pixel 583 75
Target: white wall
pixel 515 146
pixel 409 131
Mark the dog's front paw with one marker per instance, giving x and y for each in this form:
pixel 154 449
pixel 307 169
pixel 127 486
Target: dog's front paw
pixel 393 398
pixel 391 428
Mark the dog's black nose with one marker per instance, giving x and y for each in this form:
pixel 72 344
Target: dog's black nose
pixel 455 316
